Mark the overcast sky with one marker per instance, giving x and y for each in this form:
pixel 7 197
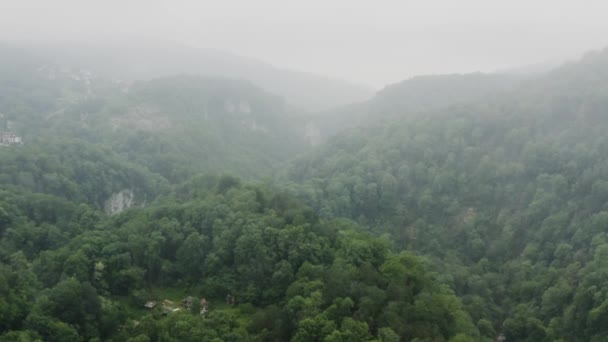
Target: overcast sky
pixel 374 42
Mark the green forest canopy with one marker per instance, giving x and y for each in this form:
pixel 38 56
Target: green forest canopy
pixel 465 222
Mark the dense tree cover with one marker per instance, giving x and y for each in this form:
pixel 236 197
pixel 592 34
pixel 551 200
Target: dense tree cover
pixel 464 223
pixel 74 274
pixel 506 195
pixel 416 96
pixel 187 125
pixel 76 171
pixel 150 59
pixel 175 126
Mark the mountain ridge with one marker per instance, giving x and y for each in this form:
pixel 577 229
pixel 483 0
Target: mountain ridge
pixel 147 60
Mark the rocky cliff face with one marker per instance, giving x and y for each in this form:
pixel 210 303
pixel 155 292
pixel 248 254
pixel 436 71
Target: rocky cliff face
pixel 119 202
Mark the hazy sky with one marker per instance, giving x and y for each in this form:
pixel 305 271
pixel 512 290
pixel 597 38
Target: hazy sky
pixel 374 42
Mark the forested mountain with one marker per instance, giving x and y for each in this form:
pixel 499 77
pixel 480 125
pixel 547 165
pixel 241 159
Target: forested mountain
pixel 154 59
pixel 446 208
pixel 267 266
pixel 175 126
pixel 416 96
pixel 182 125
pixel 507 196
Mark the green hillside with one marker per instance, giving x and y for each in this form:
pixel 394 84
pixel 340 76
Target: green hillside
pixel 188 208
pixel 506 195
pixel 176 126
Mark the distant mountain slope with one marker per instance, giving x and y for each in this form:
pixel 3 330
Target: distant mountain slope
pixel 173 126
pixel 144 61
pixel 415 96
pixel 436 91
pixel 181 125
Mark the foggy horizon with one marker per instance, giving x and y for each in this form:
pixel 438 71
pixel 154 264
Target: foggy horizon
pixel 361 42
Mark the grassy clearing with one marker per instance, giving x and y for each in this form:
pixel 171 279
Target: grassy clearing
pixel 176 295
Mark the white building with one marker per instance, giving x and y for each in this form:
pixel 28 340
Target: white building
pixel 9 139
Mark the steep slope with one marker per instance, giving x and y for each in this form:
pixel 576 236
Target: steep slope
pixel 506 194
pixel 183 125
pixel 78 172
pixel 142 60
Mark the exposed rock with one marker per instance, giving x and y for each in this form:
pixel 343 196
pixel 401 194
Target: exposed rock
pixel 237 107
pixel 119 202
pixel 244 108
pixel 253 126
pixel 142 117
pixel 150 304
